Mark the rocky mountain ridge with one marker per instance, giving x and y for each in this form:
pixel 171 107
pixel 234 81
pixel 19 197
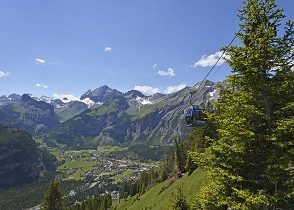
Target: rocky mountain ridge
pixel 113 116
pixel 157 119
pixel 28 114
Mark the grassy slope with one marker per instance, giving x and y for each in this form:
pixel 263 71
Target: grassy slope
pixel 139 114
pixel 69 113
pixel 125 174
pixel 153 199
pixel 104 109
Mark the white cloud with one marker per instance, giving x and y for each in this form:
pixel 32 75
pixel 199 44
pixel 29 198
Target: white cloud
pixel 169 73
pixel 40 61
pixel 148 90
pixel 4 74
pixel 210 60
pixel 107 49
pixel 66 97
pixel 41 85
pixel 155 65
pixel 172 89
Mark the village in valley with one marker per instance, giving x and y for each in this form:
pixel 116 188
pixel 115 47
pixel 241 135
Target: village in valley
pixel 98 169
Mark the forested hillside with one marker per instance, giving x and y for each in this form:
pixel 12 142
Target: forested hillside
pixel 21 160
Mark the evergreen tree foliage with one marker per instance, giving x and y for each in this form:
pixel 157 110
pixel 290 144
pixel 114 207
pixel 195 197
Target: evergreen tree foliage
pixel 53 198
pixel 180 202
pixel 168 166
pixel 199 140
pixel 97 202
pixel 138 186
pixel 250 160
pixel 21 160
pixel 181 155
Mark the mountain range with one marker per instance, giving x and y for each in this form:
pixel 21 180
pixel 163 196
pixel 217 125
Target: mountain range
pixel 105 116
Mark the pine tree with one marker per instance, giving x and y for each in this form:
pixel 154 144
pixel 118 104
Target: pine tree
pixel 53 197
pixel 180 202
pixel 168 166
pixel 250 162
pixel 199 140
pixel 181 155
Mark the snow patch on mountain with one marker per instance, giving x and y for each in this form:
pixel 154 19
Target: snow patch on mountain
pixel 89 102
pixel 213 95
pixel 143 101
pixel 67 98
pixel 46 99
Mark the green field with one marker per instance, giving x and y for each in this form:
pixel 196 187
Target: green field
pixel 73 165
pixel 158 198
pixel 66 154
pixel 124 175
pixel 76 169
pixel 106 150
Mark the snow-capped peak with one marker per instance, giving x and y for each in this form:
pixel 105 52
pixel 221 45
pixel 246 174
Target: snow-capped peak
pixel 46 99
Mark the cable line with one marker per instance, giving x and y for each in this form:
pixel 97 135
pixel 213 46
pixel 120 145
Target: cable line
pixel 223 53
pixel 195 116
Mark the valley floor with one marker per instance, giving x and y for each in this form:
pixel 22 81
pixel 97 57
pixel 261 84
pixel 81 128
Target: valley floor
pixel 82 173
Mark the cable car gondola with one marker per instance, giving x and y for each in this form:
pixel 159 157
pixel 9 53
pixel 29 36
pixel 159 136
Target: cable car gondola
pixel 195 116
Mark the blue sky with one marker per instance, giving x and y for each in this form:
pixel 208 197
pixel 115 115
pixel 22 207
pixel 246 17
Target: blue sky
pixel 69 46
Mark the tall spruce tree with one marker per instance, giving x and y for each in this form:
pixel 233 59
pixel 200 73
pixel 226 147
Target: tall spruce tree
pixel 250 163
pixel 179 200
pixel 181 155
pixel 53 198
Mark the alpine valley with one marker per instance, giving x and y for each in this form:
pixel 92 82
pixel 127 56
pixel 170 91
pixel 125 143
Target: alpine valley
pixel 92 144
pixel 226 145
